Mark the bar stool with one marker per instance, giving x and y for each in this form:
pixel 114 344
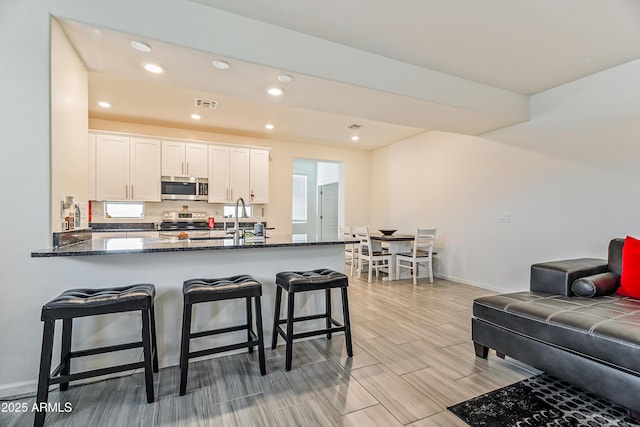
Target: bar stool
pixel 76 303
pixel 302 281
pixel 196 291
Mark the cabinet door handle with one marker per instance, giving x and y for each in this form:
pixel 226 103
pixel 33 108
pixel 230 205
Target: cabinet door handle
pixel 187 168
pixel 182 168
pixel 126 191
pixel 132 191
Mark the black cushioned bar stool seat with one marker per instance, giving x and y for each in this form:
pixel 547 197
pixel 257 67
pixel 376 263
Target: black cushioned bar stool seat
pixel 303 281
pixel 76 303
pixel 206 290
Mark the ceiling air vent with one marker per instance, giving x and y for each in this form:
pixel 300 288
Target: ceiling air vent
pixel 355 126
pixel 206 103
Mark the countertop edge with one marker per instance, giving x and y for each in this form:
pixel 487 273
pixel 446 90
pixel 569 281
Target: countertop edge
pixel 68 251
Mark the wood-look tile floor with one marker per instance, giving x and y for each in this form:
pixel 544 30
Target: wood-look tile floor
pixel 413 357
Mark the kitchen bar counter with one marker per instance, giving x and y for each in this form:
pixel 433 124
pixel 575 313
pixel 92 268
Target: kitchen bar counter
pixel 151 245
pixel 167 266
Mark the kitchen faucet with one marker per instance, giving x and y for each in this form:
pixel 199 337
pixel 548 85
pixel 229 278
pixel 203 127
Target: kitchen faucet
pixel 236 234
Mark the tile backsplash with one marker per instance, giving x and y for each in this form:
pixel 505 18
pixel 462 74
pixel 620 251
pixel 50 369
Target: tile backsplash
pixel 153 211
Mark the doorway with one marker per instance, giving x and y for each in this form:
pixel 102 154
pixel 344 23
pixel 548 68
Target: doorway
pixel 317 199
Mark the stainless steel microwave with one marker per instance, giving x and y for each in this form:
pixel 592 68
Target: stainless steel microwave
pixel 184 188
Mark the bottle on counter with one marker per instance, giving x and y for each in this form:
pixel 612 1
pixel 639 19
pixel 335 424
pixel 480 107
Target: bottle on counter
pixel 77 217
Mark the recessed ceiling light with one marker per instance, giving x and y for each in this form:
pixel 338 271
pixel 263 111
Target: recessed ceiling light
pixel 269 126
pixel 196 116
pixel 154 68
pixel 355 138
pixel 275 91
pixel 104 104
pixel 141 46
pixel 220 65
pixel 285 78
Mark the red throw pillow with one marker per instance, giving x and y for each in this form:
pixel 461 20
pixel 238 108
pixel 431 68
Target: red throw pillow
pixel 630 278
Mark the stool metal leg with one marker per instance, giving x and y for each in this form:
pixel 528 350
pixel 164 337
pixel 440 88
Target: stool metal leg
pixel 184 347
pixel 263 368
pixel 327 297
pixel 276 318
pixel 154 341
pixel 148 354
pixel 347 322
pixel 45 371
pixel 289 340
pixel 249 322
pixel 65 360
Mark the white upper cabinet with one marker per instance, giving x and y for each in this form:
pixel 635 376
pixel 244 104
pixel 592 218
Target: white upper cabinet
pixel 144 172
pixel 228 174
pixel 184 159
pixel 239 184
pixel 236 172
pixel 196 160
pixel 219 174
pixel 259 176
pixel 127 168
pixel 112 167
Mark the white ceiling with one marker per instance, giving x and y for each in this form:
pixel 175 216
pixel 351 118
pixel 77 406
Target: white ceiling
pixel 521 47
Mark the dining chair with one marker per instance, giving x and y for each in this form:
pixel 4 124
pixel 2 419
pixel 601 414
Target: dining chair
pixel 421 254
pixel 366 254
pixel 350 250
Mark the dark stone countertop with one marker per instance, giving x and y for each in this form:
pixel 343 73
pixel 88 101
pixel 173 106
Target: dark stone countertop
pixel 152 245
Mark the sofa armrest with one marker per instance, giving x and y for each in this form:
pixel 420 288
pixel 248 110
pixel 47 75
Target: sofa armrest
pixel 556 277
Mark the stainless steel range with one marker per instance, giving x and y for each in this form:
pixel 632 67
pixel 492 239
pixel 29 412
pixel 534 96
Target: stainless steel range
pixel 194 223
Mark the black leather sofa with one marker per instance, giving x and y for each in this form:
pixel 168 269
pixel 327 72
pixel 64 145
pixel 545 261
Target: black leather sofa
pixel 592 341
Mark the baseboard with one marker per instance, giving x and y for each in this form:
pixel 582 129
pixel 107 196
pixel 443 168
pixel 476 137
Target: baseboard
pixel 18 390
pixel 476 284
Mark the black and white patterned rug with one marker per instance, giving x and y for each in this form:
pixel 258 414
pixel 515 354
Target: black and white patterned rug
pixel 542 401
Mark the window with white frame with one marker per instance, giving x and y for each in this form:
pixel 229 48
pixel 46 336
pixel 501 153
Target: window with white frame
pixel 124 210
pixel 229 211
pixel 299 199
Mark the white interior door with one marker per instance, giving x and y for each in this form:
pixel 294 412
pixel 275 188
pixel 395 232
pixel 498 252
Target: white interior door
pixel 329 210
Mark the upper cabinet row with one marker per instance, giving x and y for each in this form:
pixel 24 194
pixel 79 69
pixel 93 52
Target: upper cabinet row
pixel 130 168
pixel 184 159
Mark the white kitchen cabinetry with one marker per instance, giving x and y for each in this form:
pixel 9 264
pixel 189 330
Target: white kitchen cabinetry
pixel 109 235
pixel 184 159
pixel 125 234
pixel 228 174
pixel 239 184
pixel 145 234
pixel 127 168
pixel 259 176
pixel 145 169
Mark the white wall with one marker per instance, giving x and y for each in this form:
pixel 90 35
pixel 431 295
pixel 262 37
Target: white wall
pixel 69 124
pixel 568 178
pixel 328 173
